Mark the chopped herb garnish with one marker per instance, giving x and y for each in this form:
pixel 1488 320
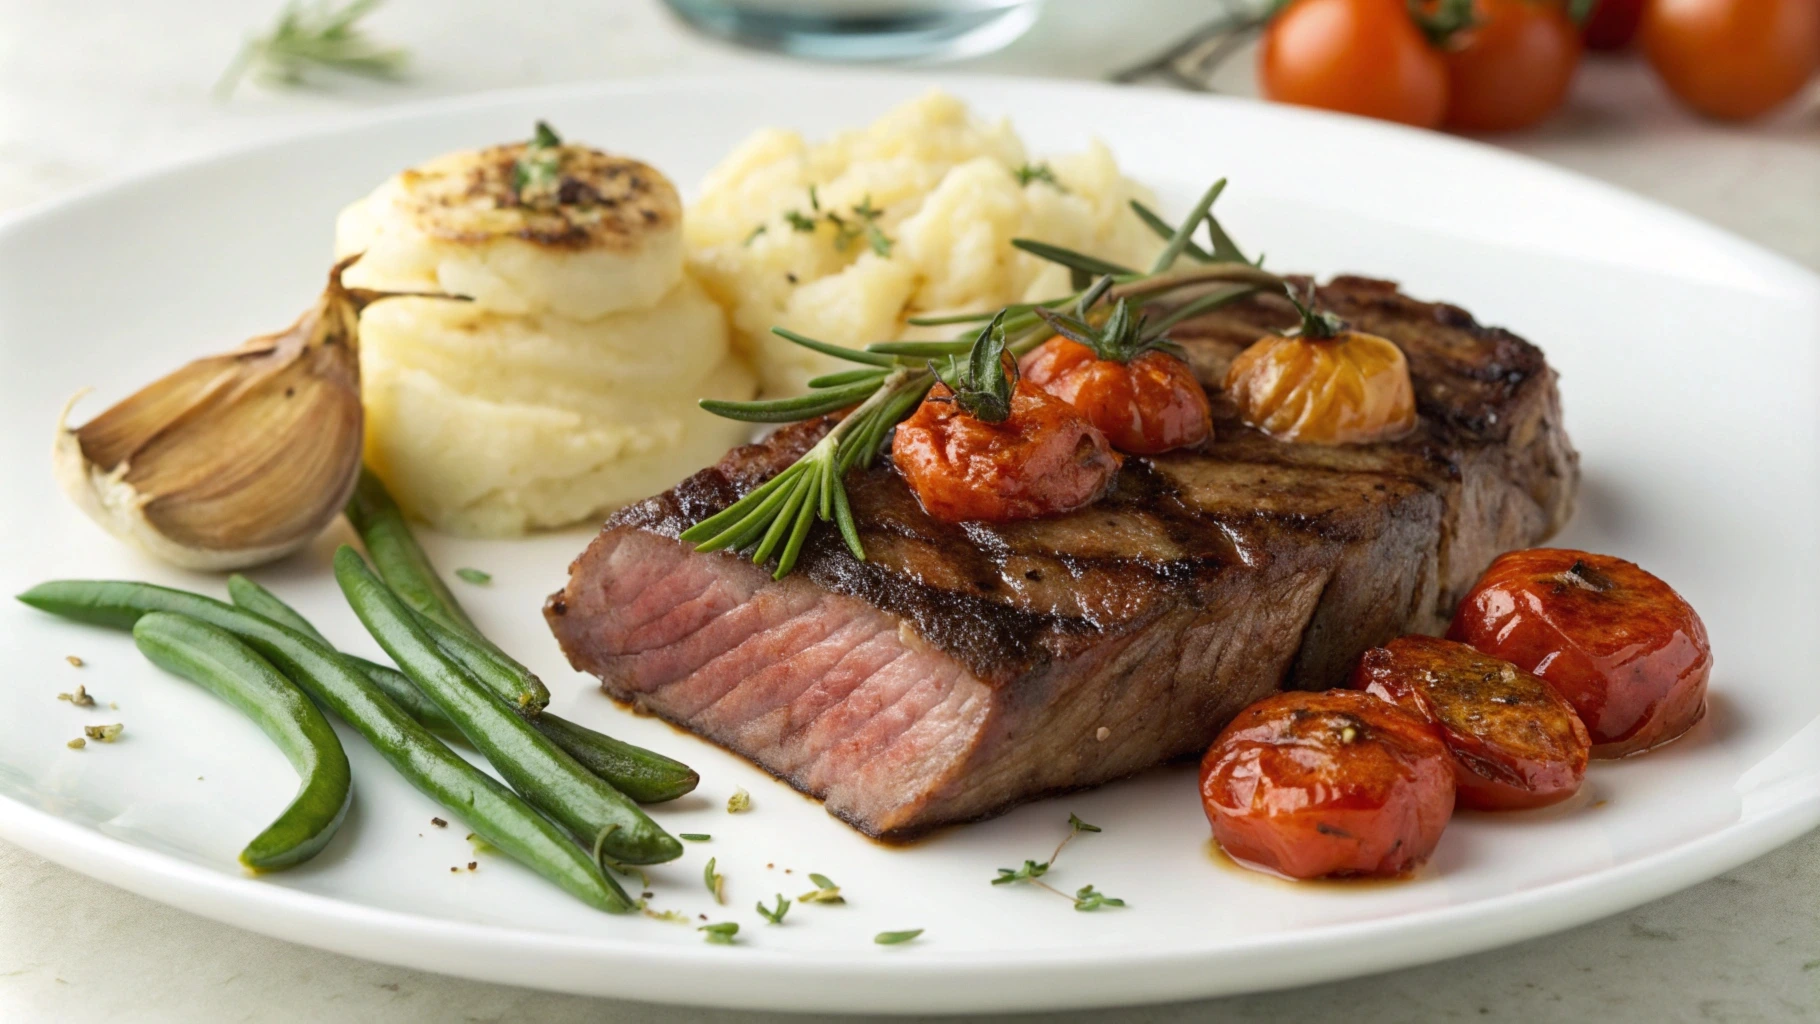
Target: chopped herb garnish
pixel 715 881
pixel 674 916
pixel 721 934
pixel 775 916
pixel 80 698
pixel 1038 172
pixel 740 802
pixel 694 837
pixel 1078 825
pixel 77 744
pixel 894 938
pixel 825 892
pixel 537 174
pixel 475 576
pixel 796 220
pixel 815 201
pixel 1089 898
pixel 103 733
pixel 755 233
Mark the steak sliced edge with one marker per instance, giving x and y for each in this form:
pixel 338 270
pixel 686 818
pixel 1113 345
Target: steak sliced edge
pixel 961 670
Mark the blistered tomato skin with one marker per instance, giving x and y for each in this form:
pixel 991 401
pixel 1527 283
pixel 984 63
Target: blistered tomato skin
pixel 1042 460
pixel 1626 651
pixel 1353 388
pixel 1514 741
pixel 1147 406
pixel 1311 785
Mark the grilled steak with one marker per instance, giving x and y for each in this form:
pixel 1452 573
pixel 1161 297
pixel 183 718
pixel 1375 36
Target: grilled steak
pixel 961 670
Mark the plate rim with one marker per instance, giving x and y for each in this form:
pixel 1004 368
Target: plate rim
pixel 780 979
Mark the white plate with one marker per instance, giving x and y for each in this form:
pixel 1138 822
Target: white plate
pixel 1689 374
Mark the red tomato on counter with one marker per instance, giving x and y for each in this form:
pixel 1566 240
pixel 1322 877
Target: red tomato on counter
pixel 1356 56
pixel 1612 24
pixel 1626 651
pixel 1338 783
pixel 1512 67
pixel 1733 59
pixel 1515 742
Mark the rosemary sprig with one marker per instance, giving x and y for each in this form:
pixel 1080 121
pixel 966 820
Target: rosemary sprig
pixel 893 377
pixel 310 36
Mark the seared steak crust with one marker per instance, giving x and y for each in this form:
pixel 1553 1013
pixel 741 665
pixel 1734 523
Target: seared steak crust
pixel 960 670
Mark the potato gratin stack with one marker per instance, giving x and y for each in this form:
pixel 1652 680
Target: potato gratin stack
pixel 568 386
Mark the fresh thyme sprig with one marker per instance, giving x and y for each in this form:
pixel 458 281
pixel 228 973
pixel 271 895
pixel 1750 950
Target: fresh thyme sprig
pixel 893 377
pixel 309 36
pixel 1086 898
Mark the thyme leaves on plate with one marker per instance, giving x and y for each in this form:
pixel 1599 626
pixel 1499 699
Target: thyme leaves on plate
pixel 896 938
pixel 776 914
pixel 715 881
pixel 740 802
pixel 694 837
pixel 720 933
pixel 824 892
pixel 80 697
pixel 477 577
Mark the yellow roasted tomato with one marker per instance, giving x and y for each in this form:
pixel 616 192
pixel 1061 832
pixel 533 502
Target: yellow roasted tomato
pixel 1323 383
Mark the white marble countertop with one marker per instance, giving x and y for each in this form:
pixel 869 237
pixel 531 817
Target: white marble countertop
pixel 105 87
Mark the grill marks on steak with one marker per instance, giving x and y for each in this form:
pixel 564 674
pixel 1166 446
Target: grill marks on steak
pixel 962 669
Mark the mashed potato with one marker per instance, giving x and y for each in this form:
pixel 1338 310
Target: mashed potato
pixel 568 385
pixel 782 234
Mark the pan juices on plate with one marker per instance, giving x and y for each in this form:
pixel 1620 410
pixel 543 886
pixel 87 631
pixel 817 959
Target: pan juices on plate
pixel 567 386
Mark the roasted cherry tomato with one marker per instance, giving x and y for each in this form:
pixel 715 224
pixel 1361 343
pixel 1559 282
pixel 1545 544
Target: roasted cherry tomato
pixel 1043 459
pixel 1146 406
pixel 1324 384
pixel 1626 651
pixel 1612 24
pixel 1515 742
pixel 1355 56
pixel 1733 59
pixel 1512 67
pixel 1337 783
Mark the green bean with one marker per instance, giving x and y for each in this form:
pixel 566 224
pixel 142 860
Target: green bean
pixel 213 659
pixel 550 779
pixel 401 562
pixel 407 570
pixel 494 813
pixel 260 601
pixel 511 681
pixel 644 775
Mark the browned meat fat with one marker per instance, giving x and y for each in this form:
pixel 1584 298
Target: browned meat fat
pixel 961 670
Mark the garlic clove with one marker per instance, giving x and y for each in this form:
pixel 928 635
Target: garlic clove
pixel 235 459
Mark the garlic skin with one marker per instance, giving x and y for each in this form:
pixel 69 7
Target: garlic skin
pixel 233 460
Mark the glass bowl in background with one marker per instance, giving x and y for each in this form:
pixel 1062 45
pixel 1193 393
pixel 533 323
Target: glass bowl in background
pixel 863 30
